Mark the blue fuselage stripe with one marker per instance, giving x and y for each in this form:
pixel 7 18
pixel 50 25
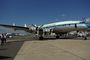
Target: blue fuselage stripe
pixel 87 24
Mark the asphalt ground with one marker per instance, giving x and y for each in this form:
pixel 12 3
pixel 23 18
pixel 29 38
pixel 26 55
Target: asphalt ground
pixel 10 49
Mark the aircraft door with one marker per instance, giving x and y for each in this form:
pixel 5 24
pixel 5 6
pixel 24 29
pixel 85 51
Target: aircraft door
pixel 75 25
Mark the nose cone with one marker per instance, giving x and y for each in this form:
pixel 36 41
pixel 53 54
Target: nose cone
pixel 88 25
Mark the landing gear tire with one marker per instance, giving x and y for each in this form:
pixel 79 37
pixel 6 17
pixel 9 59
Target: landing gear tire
pixel 57 37
pixel 85 38
pixel 40 38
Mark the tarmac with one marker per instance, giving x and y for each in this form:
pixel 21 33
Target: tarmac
pixel 26 48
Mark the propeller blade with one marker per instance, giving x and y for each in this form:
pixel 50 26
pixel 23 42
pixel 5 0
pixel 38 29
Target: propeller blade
pixel 40 26
pixel 33 25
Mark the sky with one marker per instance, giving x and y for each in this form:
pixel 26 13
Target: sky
pixel 41 12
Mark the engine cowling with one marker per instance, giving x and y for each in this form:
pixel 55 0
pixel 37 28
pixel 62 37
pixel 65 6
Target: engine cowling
pixel 33 28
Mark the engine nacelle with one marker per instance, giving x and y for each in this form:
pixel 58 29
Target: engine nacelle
pixel 33 28
pixel 36 30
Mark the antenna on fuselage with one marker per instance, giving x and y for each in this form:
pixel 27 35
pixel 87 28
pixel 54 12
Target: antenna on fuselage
pixel 75 19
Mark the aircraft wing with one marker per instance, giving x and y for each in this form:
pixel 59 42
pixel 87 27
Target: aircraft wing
pixel 15 27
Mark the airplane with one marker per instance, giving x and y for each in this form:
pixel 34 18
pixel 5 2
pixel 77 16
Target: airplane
pixel 58 28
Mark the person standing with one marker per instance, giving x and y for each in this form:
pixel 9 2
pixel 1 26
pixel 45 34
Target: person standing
pixel 5 38
pixel 2 39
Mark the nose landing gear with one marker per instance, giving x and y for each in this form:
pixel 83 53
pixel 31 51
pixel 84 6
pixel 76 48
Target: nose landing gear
pixel 57 37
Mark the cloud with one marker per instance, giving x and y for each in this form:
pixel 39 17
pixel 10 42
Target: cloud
pixel 56 19
pixel 63 15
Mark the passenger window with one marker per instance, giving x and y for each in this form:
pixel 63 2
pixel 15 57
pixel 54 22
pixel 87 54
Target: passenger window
pixel 82 22
pixel 62 25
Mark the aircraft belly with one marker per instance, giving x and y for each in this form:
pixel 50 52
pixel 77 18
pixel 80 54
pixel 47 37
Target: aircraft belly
pixel 63 29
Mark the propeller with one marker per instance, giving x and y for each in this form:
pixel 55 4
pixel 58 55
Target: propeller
pixel 33 25
pixel 37 28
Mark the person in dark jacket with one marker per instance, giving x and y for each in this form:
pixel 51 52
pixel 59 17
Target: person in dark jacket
pixel 2 39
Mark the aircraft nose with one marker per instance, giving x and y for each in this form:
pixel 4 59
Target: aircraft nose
pixel 88 25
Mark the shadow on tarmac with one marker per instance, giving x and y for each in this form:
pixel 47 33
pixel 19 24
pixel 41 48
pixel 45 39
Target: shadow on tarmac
pixel 4 49
pixel 53 38
pixel 4 57
pixel 59 38
pixel 9 50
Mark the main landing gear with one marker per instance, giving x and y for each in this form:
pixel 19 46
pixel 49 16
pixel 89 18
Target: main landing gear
pixel 84 38
pixel 41 38
pixel 57 37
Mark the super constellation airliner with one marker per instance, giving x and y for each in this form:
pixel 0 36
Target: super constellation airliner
pixel 58 28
